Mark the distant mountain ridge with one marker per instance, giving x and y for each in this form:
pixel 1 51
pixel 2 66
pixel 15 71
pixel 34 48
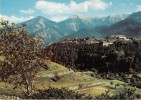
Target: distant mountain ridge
pixel 84 26
pixel 38 23
pixel 131 26
pixel 89 23
pixel 44 27
pixel 78 22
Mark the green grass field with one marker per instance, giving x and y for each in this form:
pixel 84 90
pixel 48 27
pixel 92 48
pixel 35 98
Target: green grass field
pixel 81 82
pixel 66 79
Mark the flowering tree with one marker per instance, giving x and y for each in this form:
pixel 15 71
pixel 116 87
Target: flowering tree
pixel 22 54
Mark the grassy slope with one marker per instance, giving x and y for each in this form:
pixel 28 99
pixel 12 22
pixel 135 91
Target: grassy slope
pixel 66 79
pixel 89 84
pixel 79 78
pixel 2 58
pixel 107 86
pixel 53 67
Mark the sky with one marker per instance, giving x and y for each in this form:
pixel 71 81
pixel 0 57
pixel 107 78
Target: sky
pixel 58 10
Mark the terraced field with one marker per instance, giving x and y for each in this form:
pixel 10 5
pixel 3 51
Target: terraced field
pixel 81 82
pixel 68 78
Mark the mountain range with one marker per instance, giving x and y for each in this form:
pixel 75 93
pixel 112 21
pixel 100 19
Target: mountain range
pixel 85 26
pixel 131 26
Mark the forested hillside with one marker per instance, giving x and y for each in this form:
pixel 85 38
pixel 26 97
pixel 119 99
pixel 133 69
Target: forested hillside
pixel 119 57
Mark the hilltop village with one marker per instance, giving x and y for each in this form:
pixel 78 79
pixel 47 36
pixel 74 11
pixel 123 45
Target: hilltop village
pixel 104 41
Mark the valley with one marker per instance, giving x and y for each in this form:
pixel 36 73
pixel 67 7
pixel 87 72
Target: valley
pixel 53 32
pixel 81 82
pixel 84 26
pixel 81 58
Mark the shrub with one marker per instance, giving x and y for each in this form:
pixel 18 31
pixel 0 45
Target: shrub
pixel 54 93
pixel 127 94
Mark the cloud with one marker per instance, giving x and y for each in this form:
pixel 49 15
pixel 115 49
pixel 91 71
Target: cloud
pixel 139 8
pixel 55 8
pixel 15 19
pixel 58 18
pixel 28 11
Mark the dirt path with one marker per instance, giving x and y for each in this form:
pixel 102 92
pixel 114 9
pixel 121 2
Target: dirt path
pixel 86 86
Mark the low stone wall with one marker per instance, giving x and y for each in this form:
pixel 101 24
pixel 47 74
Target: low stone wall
pixel 5 97
pixel 60 74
